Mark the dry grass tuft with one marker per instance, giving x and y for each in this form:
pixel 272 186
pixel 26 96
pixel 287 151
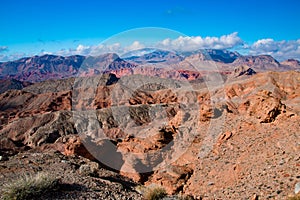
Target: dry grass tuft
pixel 29 187
pixel 155 193
pixel 296 197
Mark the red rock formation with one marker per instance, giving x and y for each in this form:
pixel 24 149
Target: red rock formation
pixel 231 140
pixel 74 146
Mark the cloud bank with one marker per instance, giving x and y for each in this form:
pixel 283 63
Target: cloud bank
pixel 280 50
pixel 193 43
pixel 180 44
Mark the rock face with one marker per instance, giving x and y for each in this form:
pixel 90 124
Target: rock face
pixel 207 140
pixel 73 145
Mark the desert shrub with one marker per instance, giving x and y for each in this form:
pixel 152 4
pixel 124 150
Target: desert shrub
pixel 154 193
pixel 296 197
pixel 29 187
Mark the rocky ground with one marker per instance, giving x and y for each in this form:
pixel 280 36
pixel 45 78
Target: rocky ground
pixel 79 177
pixel 237 140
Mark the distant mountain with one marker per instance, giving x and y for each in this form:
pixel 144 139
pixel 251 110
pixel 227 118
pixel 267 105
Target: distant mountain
pixel 40 68
pixel 154 56
pixel 217 55
pixel 151 62
pixel 150 55
pixel 95 65
pixel 259 63
pixel 222 55
pixel 46 67
pixel 291 63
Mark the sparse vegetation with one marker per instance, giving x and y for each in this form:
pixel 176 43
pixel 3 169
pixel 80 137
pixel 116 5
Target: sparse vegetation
pixel 154 193
pixel 29 187
pixel 296 197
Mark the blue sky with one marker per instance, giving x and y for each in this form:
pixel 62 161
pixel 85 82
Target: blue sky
pixel 36 26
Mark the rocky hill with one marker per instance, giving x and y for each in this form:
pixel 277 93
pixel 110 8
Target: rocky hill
pixel 39 68
pixel 10 84
pixel 209 139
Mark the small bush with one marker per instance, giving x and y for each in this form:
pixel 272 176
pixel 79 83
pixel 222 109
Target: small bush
pixel 155 193
pixel 29 187
pixel 297 197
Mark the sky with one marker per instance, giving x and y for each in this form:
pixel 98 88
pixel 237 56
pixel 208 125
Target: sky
pixel 66 27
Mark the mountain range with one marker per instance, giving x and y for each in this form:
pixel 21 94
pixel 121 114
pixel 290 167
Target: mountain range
pixel 144 61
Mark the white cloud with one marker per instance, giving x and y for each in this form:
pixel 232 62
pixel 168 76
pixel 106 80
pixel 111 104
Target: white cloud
pixel 134 46
pixel 197 42
pixel 178 44
pixel 83 50
pixel 280 50
pixel 92 50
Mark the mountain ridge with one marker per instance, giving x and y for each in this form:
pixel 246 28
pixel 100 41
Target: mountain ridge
pixel 47 67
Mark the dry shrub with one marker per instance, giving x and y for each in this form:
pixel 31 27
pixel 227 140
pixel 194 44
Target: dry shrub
pixel 29 187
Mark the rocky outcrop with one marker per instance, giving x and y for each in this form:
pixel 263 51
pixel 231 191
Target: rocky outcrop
pixel 73 145
pixel 243 71
pixel 173 178
pixel 263 106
